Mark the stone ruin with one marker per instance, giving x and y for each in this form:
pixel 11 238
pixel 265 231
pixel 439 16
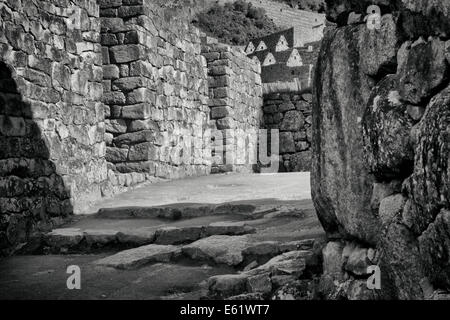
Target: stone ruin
pixel 100 96
pixel 380 169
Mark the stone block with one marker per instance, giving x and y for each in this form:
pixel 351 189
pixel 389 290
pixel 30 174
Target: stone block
pixel 287 144
pixel 139 125
pixel 225 123
pixel 12 126
pixel 114 98
pixel 128 84
pixel 143 152
pixel 138 111
pixel 221 112
pixel 125 53
pixel 115 155
pixel 137 137
pixel 116 126
pixel 110 71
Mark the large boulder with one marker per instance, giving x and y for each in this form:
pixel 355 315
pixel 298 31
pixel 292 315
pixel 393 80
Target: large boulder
pixel 381 140
pixel 340 179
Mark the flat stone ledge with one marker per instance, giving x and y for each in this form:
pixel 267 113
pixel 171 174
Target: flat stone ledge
pixel 137 257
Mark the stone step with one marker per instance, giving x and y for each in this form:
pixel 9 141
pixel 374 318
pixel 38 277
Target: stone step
pixel 219 249
pixel 238 250
pixel 77 240
pixel 175 212
pixel 137 257
pixel 266 281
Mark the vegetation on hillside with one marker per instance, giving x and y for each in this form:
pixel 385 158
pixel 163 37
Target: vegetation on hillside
pixel 235 23
pixel 309 5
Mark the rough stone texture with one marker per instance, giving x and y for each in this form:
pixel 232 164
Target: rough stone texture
pixel 423 70
pixel 52 150
pixel 156 82
pixel 387 125
pixel 290 113
pixel 398 151
pixel 380 48
pixel 228 228
pixel 266 280
pixel 220 249
pixel 289 263
pixel 340 182
pixel 172 90
pixel 173 235
pixel 235 101
pixel 64 238
pixel 345 272
pixel 135 258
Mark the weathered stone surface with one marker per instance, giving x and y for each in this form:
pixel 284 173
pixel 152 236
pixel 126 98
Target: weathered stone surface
pixel 341 183
pixel 291 115
pixel 224 286
pixel 400 259
pixel 306 244
pixel 422 71
pixel 64 238
pixel 383 190
pixel 125 53
pixel 220 249
pixel 380 48
pixel 262 250
pixel 173 235
pixel 429 187
pixel 228 228
pixel 289 263
pixel 115 155
pixel 406 138
pixel 110 71
pixel 295 290
pixel 260 283
pixel 387 132
pixel 287 144
pixel 143 152
pixel 116 126
pixel 391 208
pixel 298 162
pixel 100 237
pixel 332 259
pixel 135 258
pixel 293 120
pixel 280 270
pixel 136 237
pixel 355 259
pixel 434 246
pixel 12 126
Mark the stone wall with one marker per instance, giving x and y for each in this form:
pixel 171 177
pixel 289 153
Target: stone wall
pixel 52 150
pixel 156 92
pixel 65 65
pixel 235 99
pixel 290 113
pixel 380 173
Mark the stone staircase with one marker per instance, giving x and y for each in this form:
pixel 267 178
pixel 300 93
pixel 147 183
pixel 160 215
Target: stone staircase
pixel 239 237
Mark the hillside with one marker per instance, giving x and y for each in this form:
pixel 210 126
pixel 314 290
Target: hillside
pixel 284 15
pixel 235 23
pixel 308 5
